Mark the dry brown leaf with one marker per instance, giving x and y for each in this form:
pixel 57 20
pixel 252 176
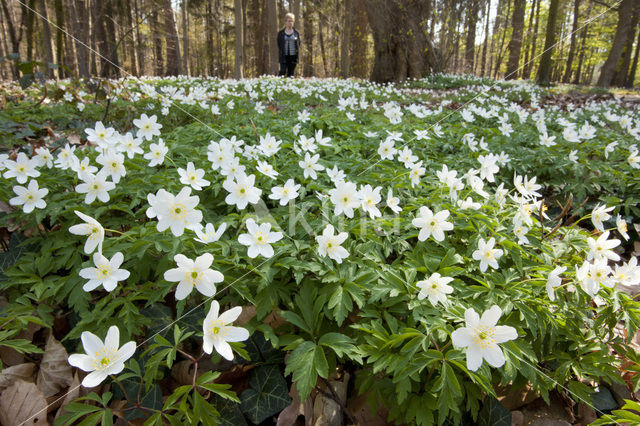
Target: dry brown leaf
pixel 290 414
pixel 74 139
pixel 55 372
pixel 20 371
pixel 23 404
pixel 72 393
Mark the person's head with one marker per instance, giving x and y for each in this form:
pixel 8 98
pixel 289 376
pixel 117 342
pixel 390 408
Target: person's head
pixel 289 20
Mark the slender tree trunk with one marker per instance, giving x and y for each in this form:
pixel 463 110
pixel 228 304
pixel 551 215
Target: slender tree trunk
pixel 13 70
pixel 528 66
pixel 574 41
pixel 57 7
pixel 139 45
pixel 632 73
pixel 515 44
pixel 308 40
pixel 185 36
pixel 347 36
pixel 583 39
pixel 238 71
pixel 174 66
pixel 527 39
pixel 544 71
pixel 503 37
pixel 625 10
pixel 485 45
pixel 470 42
pixel 620 75
pixel 132 36
pixel 321 22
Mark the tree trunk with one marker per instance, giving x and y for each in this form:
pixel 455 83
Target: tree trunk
pixel 359 36
pixel 583 39
pixel 238 70
pixel 139 43
pixel 470 42
pixel 574 41
pixel 57 7
pixel 528 66
pixel 486 39
pixel 80 29
pixel 544 71
pixel 632 73
pixel 46 37
pixel 323 54
pixel 185 36
pixel 271 36
pixel 515 44
pixel 620 75
pixel 502 39
pixel 625 10
pixel 29 29
pixel 158 68
pixel 210 43
pixel 308 40
pixel 347 36
pixel 174 66
pixel 399 54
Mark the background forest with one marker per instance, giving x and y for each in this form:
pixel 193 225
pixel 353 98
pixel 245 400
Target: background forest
pixel 377 39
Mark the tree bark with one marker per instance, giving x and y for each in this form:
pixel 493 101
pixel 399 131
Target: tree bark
pixel 528 66
pixel 185 36
pixel 515 44
pixel 620 75
pixel 399 52
pixel 470 42
pixel 502 39
pixel 271 35
pixel 29 29
pixel 574 41
pixel 238 69
pixel 622 30
pixel 544 71
pixel 347 36
pixel 57 7
pixel 308 40
pixel 210 43
pixel 632 73
pixel 486 39
pixel 359 40
pixel 46 37
pixel 174 66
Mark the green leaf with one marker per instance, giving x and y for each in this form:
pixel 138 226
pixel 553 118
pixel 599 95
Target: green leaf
pixel 230 412
pixel 301 364
pixel 493 413
pixel 267 396
pixel 339 343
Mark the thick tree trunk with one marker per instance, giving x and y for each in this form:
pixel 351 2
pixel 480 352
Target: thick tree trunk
pixel 399 54
pixel 210 43
pixel 622 70
pixel 57 7
pixel 238 70
pixel 46 37
pixel 574 41
pixel 271 35
pixel 347 36
pixel 359 40
pixel 139 44
pixel 544 71
pixel 131 36
pixel 323 55
pixel 470 42
pixel 632 73
pixel 174 66
pixel 157 43
pixel 29 28
pixel 622 30
pixel 515 44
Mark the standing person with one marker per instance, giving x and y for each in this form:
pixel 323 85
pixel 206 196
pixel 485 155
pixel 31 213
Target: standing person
pixel 288 46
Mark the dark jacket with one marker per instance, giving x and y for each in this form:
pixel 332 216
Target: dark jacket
pixel 281 45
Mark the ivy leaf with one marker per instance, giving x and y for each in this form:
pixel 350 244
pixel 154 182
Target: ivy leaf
pixel 230 412
pixel 494 414
pixel 267 396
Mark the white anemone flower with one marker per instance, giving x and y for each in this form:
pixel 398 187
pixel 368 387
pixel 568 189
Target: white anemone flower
pixel 486 254
pixel 329 244
pixel 93 229
pixel 107 273
pixel 174 211
pixel 481 337
pixel 22 168
pixel 285 193
pixel 209 234
pixel 436 288
pixel 554 280
pixel 30 197
pixel 432 224
pixel 217 332
pixel 102 359
pixel 193 177
pixel 241 191
pixel 95 186
pixel 600 214
pixel 259 239
pixel 345 197
pixel 148 127
pixel 194 273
